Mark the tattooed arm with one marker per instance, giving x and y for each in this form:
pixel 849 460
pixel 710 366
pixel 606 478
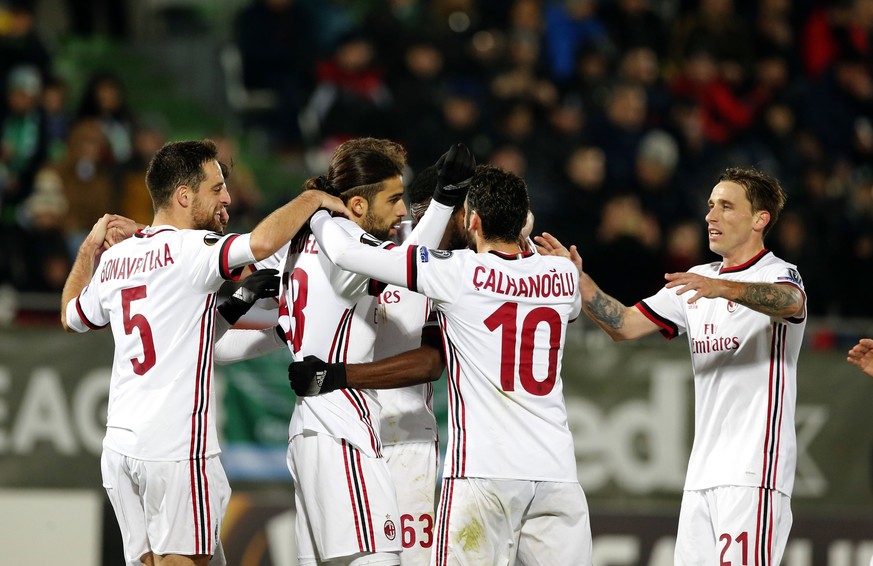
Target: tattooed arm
pixel 619 321
pixel 772 299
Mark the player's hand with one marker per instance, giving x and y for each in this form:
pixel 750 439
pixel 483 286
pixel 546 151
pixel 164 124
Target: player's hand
pixel 455 168
pixel 861 355
pixel 703 287
pixel 118 229
pixel 259 285
pixel 311 376
pixel 550 245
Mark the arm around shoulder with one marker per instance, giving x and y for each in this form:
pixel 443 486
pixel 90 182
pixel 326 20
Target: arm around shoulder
pixel 282 224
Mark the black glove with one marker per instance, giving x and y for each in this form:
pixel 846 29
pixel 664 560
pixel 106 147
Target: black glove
pixel 259 285
pixel 455 168
pixel 313 376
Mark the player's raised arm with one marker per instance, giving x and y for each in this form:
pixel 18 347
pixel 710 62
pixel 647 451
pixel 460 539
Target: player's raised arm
pixel 388 266
pixel 282 224
pixel 781 300
pixel 619 321
pixel 86 262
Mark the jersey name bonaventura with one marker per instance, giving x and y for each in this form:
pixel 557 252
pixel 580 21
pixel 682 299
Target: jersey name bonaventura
pixel 745 370
pixel 323 310
pixel 400 317
pixel 504 320
pixel 157 290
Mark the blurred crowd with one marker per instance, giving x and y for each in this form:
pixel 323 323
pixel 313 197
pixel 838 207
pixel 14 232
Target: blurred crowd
pixel 618 113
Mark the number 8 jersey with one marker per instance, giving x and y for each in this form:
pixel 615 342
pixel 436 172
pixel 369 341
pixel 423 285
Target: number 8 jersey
pixel 157 290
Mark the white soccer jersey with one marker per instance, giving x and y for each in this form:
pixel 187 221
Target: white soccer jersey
pixel 157 290
pixel 324 312
pixel 745 369
pixel 504 322
pixel 407 412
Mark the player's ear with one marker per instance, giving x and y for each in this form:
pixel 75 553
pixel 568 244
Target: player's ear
pixel 183 195
pixel 358 205
pixel 762 218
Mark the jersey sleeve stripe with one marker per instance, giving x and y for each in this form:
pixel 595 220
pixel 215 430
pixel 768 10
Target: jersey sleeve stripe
pixel 84 318
pixel 224 265
pixel 668 329
pixel 375 287
pixel 411 268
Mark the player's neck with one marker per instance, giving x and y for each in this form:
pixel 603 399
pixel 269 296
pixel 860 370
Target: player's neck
pixel 511 248
pixel 742 256
pixel 169 218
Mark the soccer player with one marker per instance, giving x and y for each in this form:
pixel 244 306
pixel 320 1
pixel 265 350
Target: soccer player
pixel 344 495
pixel 407 350
pixel 744 316
pixel 509 489
pixel 861 355
pixel 157 291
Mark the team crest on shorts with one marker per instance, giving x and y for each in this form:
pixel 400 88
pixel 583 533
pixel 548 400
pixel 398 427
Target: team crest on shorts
pixel 211 239
pixel 390 530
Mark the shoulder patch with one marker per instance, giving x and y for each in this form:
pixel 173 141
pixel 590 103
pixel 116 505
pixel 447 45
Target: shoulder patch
pixel 793 276
pixel 441 254
pixel 212 238
pixel 422 253
pixel 370 240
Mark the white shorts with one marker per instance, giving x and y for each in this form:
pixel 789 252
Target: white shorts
pixel 413 468
pixel 167 507
pixel 504 522
pixel 345 500
pixel 733 525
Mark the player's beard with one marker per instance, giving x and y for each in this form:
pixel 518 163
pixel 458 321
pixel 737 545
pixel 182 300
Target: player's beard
pixel 455 237
pixel 376 226
pixel 470 240
pixel 208 218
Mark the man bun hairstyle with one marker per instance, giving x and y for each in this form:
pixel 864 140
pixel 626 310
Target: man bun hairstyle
pixel 359 167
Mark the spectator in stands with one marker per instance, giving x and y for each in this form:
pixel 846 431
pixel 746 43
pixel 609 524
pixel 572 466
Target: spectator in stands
pixel 57 115
pixel 33 248
pixel 627 235
pixel 633 24
pixel 619 133
pixel 20 45
pixel 134 199
pixel 274 38
pixel 351 97
pixel 87 178
pixel 23 139
pixel 104 100
pixel 571 24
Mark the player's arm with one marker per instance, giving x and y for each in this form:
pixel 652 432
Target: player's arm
pixel 615 318
pixel 84 265
pixel 312 376
pixel 238 345
pixel 385 265
pixel 861 355
pixel 455 169
pixel 282 224
pixel 780 300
